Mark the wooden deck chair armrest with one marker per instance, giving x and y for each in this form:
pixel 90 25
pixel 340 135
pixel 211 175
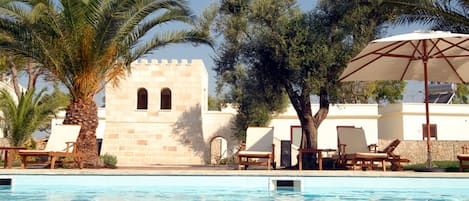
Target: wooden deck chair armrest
pixel 242 147
pixel 373 148
pixel 71 145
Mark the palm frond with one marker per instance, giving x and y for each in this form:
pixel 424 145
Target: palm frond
pixel 23 117
pixel 448 15
pixel 81 41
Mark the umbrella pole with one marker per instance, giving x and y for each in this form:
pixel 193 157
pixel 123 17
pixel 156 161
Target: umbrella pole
pixel 427 114
pixel 427 126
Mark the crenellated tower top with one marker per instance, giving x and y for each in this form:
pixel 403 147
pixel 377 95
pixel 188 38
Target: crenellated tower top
pixel 174 62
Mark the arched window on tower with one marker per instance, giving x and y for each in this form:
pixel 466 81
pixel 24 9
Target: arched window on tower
pixel 142 99
pixel 165 99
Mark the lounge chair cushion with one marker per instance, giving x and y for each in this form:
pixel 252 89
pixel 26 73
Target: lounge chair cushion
pixel 363 155
pixel 466 156
pixel 254 153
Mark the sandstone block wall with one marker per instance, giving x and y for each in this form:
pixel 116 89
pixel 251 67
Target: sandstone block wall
pixel 144 144
pixel 140 137
pixel 416 150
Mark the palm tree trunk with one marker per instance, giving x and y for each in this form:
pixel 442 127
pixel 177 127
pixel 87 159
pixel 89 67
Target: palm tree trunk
pixel 84 112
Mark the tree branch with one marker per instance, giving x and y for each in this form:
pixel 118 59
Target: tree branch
pixel 14 75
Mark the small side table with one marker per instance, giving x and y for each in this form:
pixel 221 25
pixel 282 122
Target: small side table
pixel 9 155
pixel 317 151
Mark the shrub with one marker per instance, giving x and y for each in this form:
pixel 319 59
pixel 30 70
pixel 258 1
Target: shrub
pixel 108 160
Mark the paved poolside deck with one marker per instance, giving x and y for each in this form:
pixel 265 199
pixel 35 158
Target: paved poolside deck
pixel 224 170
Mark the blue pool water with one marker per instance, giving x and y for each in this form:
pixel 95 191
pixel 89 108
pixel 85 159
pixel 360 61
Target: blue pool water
pixel 258 188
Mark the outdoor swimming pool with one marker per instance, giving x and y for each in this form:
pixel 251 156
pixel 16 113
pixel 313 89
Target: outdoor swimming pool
pixel 259 188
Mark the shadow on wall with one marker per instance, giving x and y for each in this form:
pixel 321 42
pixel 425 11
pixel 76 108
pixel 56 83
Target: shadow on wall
pixel 188 131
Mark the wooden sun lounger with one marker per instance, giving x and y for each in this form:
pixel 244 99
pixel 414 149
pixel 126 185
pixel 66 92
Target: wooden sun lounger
pixel 354 151
pixel 258 149
pixel 395 160
pixel 247 158
pixel 61 143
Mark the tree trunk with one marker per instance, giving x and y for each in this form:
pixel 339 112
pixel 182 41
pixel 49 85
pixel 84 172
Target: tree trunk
pixel 309 141
pixel 33 74
pixel 14 75
pixel 310 126
pixel 84 112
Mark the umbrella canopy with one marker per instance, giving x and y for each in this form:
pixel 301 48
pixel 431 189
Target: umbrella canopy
pixel 431 55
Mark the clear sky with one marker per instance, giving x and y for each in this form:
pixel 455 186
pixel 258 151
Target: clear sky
pixel 186 51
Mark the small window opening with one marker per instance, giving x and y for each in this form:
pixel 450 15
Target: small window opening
pixel 165 99
pixel 433 133
pixel 142 99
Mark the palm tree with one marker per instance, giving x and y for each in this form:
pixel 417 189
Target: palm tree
pixel 89 43
pixel 448 15
pixel 22 117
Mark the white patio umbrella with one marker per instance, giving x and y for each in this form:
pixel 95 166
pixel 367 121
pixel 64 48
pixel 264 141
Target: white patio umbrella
pixel 428 56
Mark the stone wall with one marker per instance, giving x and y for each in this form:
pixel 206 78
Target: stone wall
pixel 416 150
pixel 144 144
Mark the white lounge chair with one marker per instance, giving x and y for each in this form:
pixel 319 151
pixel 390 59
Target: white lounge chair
pixel 258 149
pixel 61 143
pixel 354 150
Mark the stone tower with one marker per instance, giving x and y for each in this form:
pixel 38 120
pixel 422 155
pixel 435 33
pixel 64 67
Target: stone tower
pixel 154 116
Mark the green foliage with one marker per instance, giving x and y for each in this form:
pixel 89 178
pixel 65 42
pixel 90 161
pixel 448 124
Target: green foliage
pixel 248 79
pixel 87 44
pixel 24 116
pixel 109 160
pixel 385 91
pixel 230 160
pixel 3 65
pixel 449 166
pixel 462 91
pixel 256 102
pixel 4 58
pixel 58 99
pixel 214 104
pixel 271 49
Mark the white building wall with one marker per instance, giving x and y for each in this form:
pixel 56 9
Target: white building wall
pixel 358 115
pixel 219 124
pixel 452 121
pixel 391 124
